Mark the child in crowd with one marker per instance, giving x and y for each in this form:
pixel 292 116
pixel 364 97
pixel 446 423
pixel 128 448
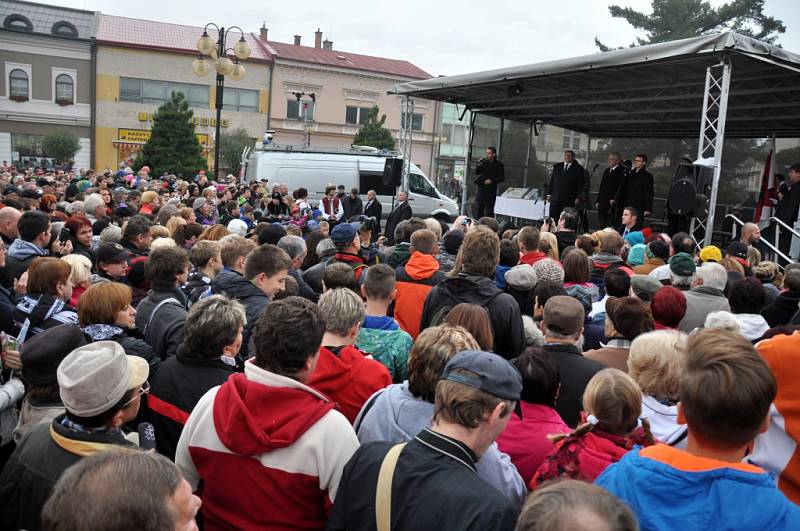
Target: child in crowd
pixel 297 218
pixel 612 403
pixel 380 334
pixel 325 228
pixel 509 257
pixel 726 390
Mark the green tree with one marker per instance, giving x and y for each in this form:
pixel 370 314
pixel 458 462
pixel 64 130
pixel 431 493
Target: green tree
pixel 680 19
pixel 373 133
pixel 231 145
pixel 60 145
pixel 173 146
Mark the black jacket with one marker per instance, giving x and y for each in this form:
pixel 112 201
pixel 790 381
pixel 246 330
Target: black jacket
pixel 133 345
pixel 235 286
pixel 180 383
pixel 36 465
pixel 374 209
pixel 400 213
pixel 786 210
pixel 565 187
pixel 7 304
pixel 352 207
pixel 636 190
pixel 782 309
pixel 565 238
pixel 197 285
pixel 79 248
pixel 509 338
pixel 304 290
pixel 165 331
pixel 489 169
pixel 435 486
pixel 609 184
pixel 576 371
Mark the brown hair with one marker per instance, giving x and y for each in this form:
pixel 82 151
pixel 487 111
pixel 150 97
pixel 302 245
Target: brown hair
pixel 424 241
pixel 577 267
pixel 726 388
pixel 587 243
pixel 611 242
pixel 480 252
pixel 464 405
pixel 529 237
pixel 232 248
pixel 730 264
pixel 172 224
pixel 186 213
pixel 101 303
pixel 475 319
pixel 204 251
pixel 46 273
pixel 214 232
pixel 159 231
pixel 615 400
pixel 430 353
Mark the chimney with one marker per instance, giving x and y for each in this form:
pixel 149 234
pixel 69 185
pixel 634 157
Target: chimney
pixel 327 45
pixel 318 39
pixel 297 40
pixel 263 32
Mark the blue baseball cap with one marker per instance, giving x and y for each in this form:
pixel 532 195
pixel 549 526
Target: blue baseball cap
pixel 493 375
pixel 344 233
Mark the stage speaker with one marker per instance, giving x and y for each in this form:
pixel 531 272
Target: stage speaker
pixel 691 187
pixel 393 171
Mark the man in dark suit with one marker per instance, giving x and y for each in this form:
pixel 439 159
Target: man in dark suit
pixel 788 205
pixel 636 189
pixel 401 212
pixel 609 184
pixel 567 185
pixel 374 209
pixel 490 172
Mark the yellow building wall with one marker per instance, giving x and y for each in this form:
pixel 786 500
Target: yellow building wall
pixel 107 87
pixel 105 151
pixel 263 101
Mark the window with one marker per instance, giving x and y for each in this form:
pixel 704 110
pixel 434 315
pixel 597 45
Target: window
pixel 64 29
pixel 17 22
pixel 65 89
pixel 157 92
pixel 242 100
pixel 572 140
pixel 374 181
pixel 299 110
pixel 420 185
pixel 18 83
pixel 416 121
pixel 356 115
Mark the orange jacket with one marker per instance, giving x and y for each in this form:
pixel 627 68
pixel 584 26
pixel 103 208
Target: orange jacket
pixel 414 281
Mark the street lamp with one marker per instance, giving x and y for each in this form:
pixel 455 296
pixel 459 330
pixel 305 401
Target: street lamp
pixel 224 66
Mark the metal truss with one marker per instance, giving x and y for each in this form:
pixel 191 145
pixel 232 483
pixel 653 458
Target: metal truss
pixel 712 136
pixel 406 137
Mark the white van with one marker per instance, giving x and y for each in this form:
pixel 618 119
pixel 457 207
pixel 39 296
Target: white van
pixel 314 169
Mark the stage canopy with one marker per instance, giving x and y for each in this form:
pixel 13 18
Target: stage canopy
pixel 653 91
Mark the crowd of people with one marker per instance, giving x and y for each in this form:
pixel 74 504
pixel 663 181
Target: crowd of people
pixel 190 353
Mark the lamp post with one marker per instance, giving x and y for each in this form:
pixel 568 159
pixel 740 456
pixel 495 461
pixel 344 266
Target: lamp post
pixel 224 67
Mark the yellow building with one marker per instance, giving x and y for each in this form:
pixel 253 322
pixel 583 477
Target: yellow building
pixel 140 63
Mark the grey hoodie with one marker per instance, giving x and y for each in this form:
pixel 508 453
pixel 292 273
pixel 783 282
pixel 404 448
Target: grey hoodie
pixel 396 415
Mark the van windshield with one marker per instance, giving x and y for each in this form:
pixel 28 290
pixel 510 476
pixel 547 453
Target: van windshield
pixel 419 185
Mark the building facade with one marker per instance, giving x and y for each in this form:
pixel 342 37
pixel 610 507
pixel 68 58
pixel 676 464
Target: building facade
pixel 141 62
pixel 46 59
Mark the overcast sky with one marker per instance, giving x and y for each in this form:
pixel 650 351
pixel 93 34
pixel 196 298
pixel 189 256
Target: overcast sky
pixel 442 37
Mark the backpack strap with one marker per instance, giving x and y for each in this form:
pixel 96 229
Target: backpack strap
pixel 383 494
pixel 170 300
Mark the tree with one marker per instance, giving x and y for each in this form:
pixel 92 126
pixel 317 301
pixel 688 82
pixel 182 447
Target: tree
pixel 372 133
pixel 172 146
pixel 231 145
pixel 680 19
pixel 60 145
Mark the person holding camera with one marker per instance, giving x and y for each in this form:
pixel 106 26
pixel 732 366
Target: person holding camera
pixel 490 173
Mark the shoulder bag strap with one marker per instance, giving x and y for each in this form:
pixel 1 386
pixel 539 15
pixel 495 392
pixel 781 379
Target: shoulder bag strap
pixel 383 494
pixel 169 300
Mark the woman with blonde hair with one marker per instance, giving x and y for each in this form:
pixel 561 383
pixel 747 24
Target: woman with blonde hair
pixel 612 403
pixel 149 202
pixel 399 412
pixel 548 244
pixel 80 277
pixel 173 224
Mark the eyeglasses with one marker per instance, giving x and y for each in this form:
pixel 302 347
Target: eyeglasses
pixel 143 390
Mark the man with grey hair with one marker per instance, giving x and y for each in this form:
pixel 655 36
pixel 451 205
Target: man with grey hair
pixel 76 208
pixel 562 325
pixel 326 249
pixel 94 207
pixel 208 356
pixel 344 373
pixel 295 247
pixel 706 296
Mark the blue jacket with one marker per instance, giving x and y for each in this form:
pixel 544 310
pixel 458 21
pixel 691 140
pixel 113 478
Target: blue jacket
pixel 500 276
pixel 714 495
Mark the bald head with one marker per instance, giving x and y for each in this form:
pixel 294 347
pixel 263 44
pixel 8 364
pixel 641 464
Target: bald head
pixel 9 216
pixel 750 233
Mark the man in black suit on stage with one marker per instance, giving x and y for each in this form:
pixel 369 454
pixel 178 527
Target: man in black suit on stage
pixel 636 189
pixel 567 185
pixel 374 209
pixel 401 212
pixel 788 208
pixel 490 172
pixel 609 184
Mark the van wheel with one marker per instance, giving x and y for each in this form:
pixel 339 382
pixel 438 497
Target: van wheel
pixel 443 217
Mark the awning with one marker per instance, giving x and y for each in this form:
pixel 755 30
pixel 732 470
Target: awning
pixel 648 91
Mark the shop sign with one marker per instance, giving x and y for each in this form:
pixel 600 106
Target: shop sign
pixel 196 120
